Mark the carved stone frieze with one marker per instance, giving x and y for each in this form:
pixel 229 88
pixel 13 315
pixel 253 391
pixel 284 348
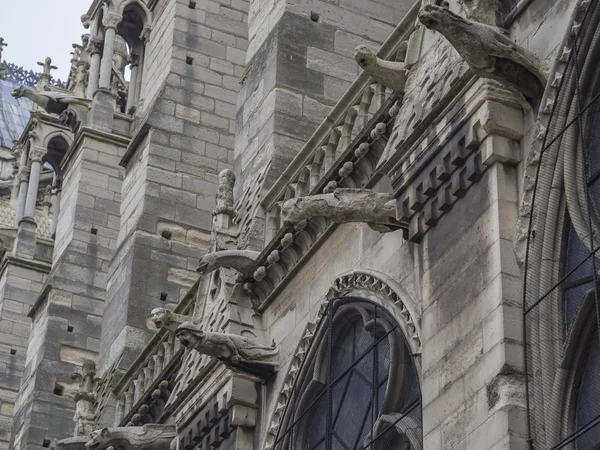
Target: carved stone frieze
pixel 345 206
pixel 489 53
pixel 147 437
pixel 368 284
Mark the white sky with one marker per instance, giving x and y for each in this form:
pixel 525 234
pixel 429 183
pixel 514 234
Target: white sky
pixel 35 29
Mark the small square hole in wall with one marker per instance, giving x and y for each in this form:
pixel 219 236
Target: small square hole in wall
pixel 189 60
pixel 167 234
pixel 46 443
pixel 192 5
pixel 13 351
pixel 58 390
pixel 164 296
pixel 94 231
pixel 70 329
pixel 315 17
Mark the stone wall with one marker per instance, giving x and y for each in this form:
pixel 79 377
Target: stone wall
pixel 172 169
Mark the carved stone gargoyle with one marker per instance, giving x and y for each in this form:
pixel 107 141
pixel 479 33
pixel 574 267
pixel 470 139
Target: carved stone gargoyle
pixel 389 73
pixel 164 318
pixel 487 51
pixel 74 443
pixel 60 103
pixel 231 349
pixel 345 206
pixel 147 437
pixel 244 261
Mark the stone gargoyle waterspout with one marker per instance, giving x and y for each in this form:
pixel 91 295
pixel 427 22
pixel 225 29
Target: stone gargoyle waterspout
pixel 376 209
pixel 389 73
pixel 164 318
pixel 487 51
pixel 74 443
pixel 244 261
pixel 55 102
pixel 147 437
pixel 231 349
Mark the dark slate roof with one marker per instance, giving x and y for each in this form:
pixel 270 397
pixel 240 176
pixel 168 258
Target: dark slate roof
pixel 14 114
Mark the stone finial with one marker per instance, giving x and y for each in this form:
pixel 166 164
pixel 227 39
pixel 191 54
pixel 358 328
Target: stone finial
pixel 3 70
pixel 85 398
pixel 164 318
pixel 230 349
pixel 488 52
pixel 157 437
pixel 345 206
pixel 47 67
pixel 2 45
pixel 225 194
pixel 389 73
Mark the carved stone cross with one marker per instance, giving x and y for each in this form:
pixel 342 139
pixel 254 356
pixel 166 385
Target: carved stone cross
pixel 47 67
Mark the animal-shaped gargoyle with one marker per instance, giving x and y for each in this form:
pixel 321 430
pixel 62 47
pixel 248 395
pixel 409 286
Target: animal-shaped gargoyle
pixel 54 102
pixel 344 206
pixel 147 437
pixel 389 73
pixel 487 51
pixel 231 349
pixel 164 318
pixel 244 261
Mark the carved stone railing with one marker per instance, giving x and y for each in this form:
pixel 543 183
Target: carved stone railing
pixel 8 217
pixel 348 118
pixel 19 75
pixel 145 388
pixel 342 153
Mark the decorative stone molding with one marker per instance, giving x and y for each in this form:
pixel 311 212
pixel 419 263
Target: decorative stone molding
pixel 147 437
pixel 243 261
pixel 376 209
pixel 389 73
pixel 366 284
pixel 489 53
pixel 443 167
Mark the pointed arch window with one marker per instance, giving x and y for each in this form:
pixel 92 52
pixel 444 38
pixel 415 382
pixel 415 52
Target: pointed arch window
pixel 358 388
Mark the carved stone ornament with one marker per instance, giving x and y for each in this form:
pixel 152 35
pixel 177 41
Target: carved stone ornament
pixel 47 67
pixel 51 101
pixel 111 19
pixel 36 154
pixel 243 261
pixel 231 349
pixel 85 410
pixel 488 52
pixel 225 194
pixel 345 206
pixel 147 437
pixel 389 73
pixel 164 318
pixel 74 443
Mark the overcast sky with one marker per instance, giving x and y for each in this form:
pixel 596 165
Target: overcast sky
pixel 35 29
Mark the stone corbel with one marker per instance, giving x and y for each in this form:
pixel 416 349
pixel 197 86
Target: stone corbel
pixel 155 437
pixel 233 350
pixel 243 261
pixel 488 52
pixel 376 209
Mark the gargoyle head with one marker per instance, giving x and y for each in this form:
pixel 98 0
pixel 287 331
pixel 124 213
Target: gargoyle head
pixel 19 92
pixel 99 439
pixel 161 317
pixel 291 211
pixel 435 17
pixel 190 335
pixel 206 262
pixel 364 56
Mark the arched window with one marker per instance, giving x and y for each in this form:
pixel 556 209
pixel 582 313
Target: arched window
pixel 358 387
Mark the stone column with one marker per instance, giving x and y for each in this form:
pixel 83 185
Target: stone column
pixel 111 20
pixel 95 49
pixel 23 185
pixel 132 95
pixel 35 155
pixel 56 188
